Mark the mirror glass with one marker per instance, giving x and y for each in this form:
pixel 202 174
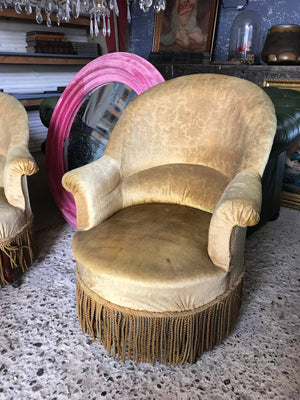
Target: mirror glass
pixel 87 111
pixel 94 122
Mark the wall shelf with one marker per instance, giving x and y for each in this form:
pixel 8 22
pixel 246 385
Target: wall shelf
pixel 33 100
pixel 44 59
pixel 83 22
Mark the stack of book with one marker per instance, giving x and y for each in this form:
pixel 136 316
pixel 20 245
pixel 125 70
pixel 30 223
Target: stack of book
pixel 48 42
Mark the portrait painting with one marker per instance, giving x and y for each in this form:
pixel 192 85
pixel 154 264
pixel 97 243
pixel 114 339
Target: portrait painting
pixel 186 25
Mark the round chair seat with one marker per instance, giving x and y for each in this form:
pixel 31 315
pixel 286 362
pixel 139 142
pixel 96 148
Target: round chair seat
pixel 150 257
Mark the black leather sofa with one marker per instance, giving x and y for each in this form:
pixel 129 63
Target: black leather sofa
pixel 287 106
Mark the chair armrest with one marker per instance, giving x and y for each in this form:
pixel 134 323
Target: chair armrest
pixel 96 190
pixel 239 206
pixel 19 162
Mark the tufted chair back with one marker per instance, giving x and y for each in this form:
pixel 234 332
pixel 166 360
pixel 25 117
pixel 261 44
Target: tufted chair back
pixel 208 119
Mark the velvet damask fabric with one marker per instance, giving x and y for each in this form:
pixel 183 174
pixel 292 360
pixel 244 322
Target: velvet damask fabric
pixel 199 142
pixel 162 217
pixel 16 230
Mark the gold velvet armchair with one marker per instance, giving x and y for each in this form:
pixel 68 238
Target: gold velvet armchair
pixel 16 220
pixel 162 217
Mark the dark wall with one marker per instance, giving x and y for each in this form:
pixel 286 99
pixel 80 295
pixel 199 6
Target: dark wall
pixel 273 12
pixel 141 31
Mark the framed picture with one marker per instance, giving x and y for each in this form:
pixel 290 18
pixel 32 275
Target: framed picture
pixel 186 25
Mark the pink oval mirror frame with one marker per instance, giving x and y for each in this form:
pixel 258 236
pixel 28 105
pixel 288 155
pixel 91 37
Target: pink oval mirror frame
pixel 126 68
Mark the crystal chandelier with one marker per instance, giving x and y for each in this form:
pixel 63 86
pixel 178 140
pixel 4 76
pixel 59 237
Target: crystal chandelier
pixel 98 10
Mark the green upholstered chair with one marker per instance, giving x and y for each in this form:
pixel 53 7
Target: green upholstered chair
pixel 16 219
pixel 162 217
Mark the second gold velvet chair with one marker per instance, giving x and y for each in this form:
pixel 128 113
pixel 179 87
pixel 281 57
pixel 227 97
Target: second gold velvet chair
pixel 17 242
pixel 162 217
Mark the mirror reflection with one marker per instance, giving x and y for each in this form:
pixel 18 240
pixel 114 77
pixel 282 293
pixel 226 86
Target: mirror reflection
pixel 94 123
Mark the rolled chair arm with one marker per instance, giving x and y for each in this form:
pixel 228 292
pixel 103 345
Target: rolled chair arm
pixel 96 190
pixel 239 206
pixel 19 162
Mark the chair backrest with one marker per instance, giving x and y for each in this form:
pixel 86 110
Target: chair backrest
pixel 222 122
pixel 14 127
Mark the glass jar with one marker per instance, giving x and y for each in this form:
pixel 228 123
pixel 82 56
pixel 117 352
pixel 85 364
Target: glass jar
pixel 245 38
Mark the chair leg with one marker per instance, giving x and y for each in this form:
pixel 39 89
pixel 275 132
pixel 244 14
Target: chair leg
pixel 6 267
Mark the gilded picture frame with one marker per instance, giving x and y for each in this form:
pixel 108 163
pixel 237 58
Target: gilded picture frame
pixel 283 83
pixel 186 25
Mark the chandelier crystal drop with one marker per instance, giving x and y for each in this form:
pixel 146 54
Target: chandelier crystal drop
pixel 98 10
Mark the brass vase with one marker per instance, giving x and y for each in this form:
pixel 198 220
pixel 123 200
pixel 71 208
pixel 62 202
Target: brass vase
pixel 282 45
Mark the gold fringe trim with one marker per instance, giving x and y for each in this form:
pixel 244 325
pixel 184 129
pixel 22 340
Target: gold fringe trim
pixel 20 250
pixel 169 337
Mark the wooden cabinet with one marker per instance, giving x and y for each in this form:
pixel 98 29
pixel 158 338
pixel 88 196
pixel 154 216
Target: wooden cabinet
pixel 258 74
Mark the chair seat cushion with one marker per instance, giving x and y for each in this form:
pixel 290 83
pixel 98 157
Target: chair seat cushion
pixel 12 218
pixel 150 257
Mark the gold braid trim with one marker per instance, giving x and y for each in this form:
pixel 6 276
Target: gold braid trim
pixel 20 250
pixel 169 337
